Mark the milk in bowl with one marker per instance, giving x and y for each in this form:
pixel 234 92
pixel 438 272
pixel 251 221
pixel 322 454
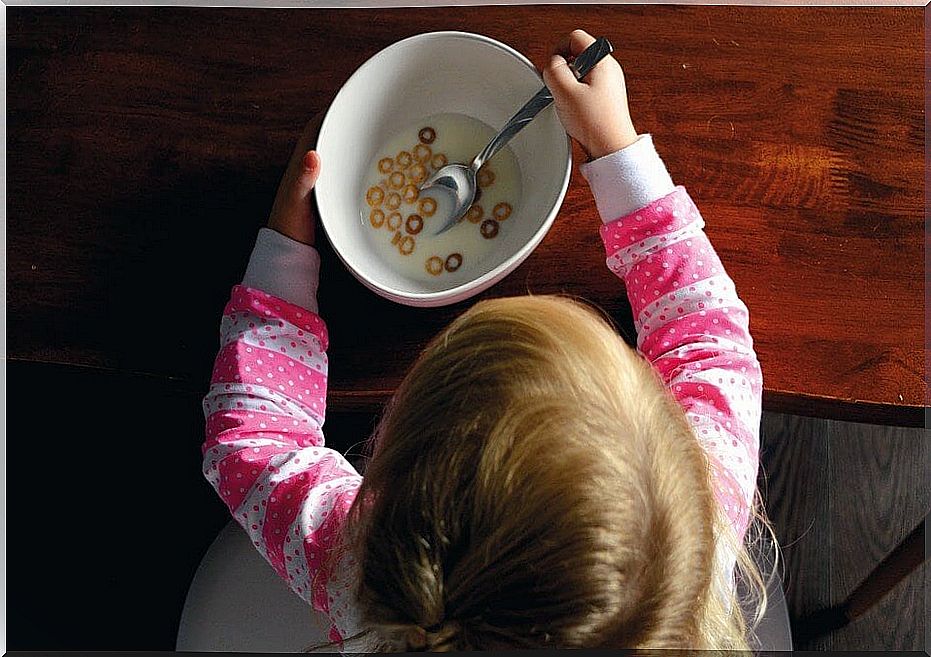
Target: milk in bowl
pixel 400 222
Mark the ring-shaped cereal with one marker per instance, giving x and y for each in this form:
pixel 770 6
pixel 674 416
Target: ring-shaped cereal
pixel 453 262
pixel 385 165
pixel 418 173
pixel 475 213
pixel 396 238
pixel 410 193
pixel 394 221
pixel 393 201
pixel 489 229
pixel 427 206
pixel 422 153
pixel 375 196
pixel 486 177
pixel 427 135
pixel 414 224
pixel 502 211
pixel 434 265
pixel 406 245
pixel 396 180
pixel 376 218
pixel 438 161
pixel 404 159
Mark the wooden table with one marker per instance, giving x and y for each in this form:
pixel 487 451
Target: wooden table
pixel 145 146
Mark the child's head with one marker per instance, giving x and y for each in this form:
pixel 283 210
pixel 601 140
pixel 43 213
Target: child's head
pixel 532 484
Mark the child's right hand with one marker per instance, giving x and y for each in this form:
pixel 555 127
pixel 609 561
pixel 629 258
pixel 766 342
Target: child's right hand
pixel 593 111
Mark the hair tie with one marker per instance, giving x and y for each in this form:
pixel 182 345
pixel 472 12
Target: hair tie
pixel 426 638
pixel 416 638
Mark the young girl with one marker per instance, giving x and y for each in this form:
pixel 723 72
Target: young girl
pixel 534 482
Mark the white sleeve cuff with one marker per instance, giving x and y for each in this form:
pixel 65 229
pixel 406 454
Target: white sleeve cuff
pixel 628 179
pixel 284 268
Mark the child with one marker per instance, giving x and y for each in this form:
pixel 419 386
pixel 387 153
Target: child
pixel 534 482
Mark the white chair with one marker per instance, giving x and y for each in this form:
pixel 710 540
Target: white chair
pixel 774 631
pixel 237 603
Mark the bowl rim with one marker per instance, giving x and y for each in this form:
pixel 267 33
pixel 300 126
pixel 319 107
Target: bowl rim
pixel 470 288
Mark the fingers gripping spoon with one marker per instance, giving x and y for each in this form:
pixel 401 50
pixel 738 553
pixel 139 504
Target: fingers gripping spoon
pixel 459 180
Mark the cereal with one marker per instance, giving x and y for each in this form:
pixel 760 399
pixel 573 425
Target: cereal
pixel 422 153
pixel 396 238
pixel 406 245
pixel 489 229
pixel 404 159
pixel 396 180
pixel 375 196
pixel 394 221
pixel 377 218
pixel 418 173
pixel 453 262
pixel 385 165
pixel 439 161
pixel 434 265
pixel 393 201
pixel 414 224
pixel 486 177
pixel 427 206
pixel 502 211
pixel 427 135
pixel 410 193
pixel 475 213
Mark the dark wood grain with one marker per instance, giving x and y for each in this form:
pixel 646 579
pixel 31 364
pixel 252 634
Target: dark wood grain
pixel 145 146
pixel 881 492
pixel 842 496
pixel 795 485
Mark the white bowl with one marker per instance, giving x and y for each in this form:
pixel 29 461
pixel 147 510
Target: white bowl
pixel 424 75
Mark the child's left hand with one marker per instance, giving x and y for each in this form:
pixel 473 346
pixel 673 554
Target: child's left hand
pixel 292 214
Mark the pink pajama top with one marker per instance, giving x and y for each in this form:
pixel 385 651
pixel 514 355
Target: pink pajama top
pixel 264 451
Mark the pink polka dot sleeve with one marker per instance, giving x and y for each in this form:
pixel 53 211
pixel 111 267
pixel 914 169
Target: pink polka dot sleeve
pixel 694 330
pixel 264 451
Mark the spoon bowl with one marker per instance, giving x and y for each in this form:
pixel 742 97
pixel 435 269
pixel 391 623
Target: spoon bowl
pixel 459 181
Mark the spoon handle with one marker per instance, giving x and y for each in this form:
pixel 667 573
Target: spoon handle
pixel 541 100
pixel 585 62
pixel 525 114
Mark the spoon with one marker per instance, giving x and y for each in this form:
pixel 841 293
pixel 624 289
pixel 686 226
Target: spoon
pixel 459 179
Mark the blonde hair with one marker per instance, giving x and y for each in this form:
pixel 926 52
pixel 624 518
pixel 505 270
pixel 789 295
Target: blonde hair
pixel 533 484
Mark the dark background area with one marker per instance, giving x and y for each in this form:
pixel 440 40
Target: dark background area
pixel 108 513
